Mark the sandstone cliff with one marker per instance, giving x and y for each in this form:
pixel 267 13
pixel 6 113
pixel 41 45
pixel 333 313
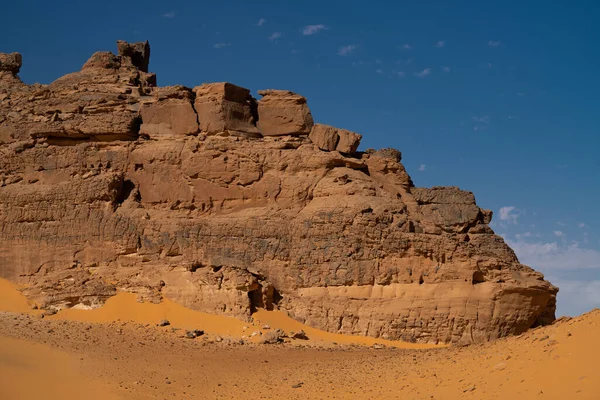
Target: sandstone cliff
pixel 228 204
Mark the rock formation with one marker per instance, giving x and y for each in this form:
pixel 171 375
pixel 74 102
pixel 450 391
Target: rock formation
pixel 282 112
pixel 224 108
pixel 226 205
pixel 329 138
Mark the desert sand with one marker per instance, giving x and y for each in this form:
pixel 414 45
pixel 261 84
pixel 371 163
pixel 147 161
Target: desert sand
pixel 119 352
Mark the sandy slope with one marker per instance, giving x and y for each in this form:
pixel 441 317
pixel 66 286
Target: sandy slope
pixel 130 360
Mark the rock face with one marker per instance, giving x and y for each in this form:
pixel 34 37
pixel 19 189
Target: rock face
pixel 108 183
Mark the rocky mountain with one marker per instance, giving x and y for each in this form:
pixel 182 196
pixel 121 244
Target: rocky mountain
pixel 227 204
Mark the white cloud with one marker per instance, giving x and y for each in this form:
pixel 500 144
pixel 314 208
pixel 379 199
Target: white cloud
pixel 440 43
pixel 221 45
pixel 581 225
pixel 494 43
pixel 523 235
pixel 490 65
pixel 401 74
pixel 422 167
pixel 509 214
pixel 446 69
pixel 484 120
pixel 424 73
pixel 275 36
pixel 407 46
pixel 312 29
pixel 521 94
pixel 511 117
pixel 576 296
pixel 346 50
pixel 261 22
pixel 379 71
pixel 552 256
pixel 573 269
pixel 558 233
pixel 170 14
pixel 560 223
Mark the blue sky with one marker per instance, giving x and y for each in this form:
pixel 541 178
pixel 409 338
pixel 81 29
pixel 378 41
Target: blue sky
pixel 500 98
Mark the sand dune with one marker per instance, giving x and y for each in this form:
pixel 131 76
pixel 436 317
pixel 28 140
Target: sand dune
pixel 138 360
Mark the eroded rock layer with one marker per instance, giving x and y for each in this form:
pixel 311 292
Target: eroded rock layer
pixel 224 204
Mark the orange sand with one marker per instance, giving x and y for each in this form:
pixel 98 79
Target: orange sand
pixel 35 371
pixel 11 299
pixel 125 307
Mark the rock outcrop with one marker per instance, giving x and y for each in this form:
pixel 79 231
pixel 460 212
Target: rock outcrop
pixel 282 112
pixel 170 113
pixel 11 63
pixel 330 138
pixel 109 183
pixel 225 108
pixel 137 54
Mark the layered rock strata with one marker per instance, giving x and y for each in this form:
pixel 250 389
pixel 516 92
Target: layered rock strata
pixel 226 204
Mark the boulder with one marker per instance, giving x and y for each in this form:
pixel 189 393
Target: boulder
pixel 282 112
pixel 348 142
pixel 487 216
pixel 448 208
pixel 171 114
pixel 129 67
pixel 329 138
pixel 324 136
pixel 11 62
pixel 272 337
pixel 386 165
pixel 193 333
pixel 223 107
pixel 102 60
pixel 300 335
pixel 135 54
